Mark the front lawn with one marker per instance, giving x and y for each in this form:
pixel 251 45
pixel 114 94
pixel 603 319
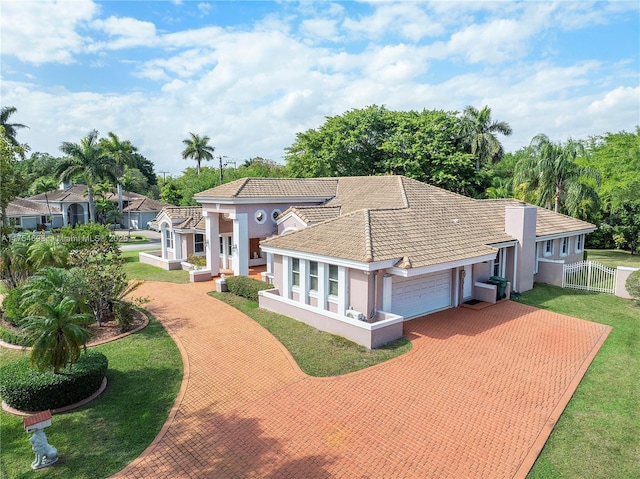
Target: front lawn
pixel 598 434
pixel 145 272
pixel 100 439
pixel 316 352
pixel 613 258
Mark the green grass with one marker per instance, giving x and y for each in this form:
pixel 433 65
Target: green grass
pixel 146 272
pixel 98 440
pixel 598 434
pixel 613 257
pixel 316 352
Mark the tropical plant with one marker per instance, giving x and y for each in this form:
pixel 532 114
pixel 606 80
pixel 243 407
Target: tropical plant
pixel 89 160
pixel 10 128
pixel 197 148
pixel 632 285
pixel 51 285
pixel 122 153
pixel 552 171
pixel 12 181
pixel 58 334
pixel 478 132
pixel 130 181
pixel 47 252
pixel 15 265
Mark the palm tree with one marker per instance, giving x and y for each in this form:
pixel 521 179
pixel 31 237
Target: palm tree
pixel 58 334
pixel 10 128
pixel 88 159
pixel 551 171
pixel 129 182
pixel 48 253
pixel 198 148
pixel 478 131
pixel 51 285
pixel 44 184
pixel 122 153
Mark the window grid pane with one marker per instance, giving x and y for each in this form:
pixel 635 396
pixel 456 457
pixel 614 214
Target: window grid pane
pixel 333 280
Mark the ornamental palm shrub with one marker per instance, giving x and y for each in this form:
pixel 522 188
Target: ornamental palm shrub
pixel 58 334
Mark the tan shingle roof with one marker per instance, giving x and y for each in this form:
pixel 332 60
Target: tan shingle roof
pixel 314 214
pixel 142 203
pixel 274 188
pixel 25 207
pixel 73 193
pixel 191 216
pixel 391 217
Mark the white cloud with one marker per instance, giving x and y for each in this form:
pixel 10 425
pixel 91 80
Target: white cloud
pixel 127 32
pixel 45 31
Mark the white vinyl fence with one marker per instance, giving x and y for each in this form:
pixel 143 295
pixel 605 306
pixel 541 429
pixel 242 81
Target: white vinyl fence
pixel 589 276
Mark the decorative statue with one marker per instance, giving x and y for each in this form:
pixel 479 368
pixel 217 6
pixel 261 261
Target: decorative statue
pixel 46 454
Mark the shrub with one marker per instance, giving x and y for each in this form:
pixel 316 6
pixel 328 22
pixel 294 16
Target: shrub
pixel 13 310
pixel 14 337
pixel 246 287
pixel 27 389
pixel 124 314
pixel 633 284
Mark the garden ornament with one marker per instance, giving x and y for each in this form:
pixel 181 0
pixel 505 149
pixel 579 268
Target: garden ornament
pixel 46 454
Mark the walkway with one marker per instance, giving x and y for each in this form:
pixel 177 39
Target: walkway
pixel 475 398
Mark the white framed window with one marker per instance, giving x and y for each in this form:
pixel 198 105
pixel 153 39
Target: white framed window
pixel 579 243
pixel 260 216
pixel 497 264
pixel 168 239
pixel 274 214
pixel 548 248
pixel 295 271
pixel 333 280
pixel 198 243
pixel 564 246
pixel 313 276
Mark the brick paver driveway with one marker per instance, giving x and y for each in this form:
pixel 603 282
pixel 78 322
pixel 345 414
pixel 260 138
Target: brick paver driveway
pixel 476 397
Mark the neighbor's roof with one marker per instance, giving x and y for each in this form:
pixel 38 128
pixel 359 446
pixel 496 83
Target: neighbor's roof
pixel 396 218
pixel 274 188
pixel 25 207
pixel 142 203
pixel 73 194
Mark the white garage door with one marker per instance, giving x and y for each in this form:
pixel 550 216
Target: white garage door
pixel 421 294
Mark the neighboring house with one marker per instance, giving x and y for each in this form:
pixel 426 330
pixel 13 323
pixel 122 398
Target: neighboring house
pixel 358 255
pixel 70 200
pixel 30 215
pixel 73 202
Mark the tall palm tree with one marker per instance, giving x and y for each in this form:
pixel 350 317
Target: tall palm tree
pixel 58 334
pixel 551 171
pixel 88 159
pixel 10 129
pixel 478 131
pixel 198 148
pixel 122 153
pixel 44 184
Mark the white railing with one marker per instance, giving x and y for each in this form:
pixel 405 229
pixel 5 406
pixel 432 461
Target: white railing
pixel 589 276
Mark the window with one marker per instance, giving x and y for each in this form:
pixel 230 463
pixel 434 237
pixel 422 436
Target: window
pixel 333 280
pixel 497 270
pixel 43 220
pixel 548 247
pixel 313 275
pixel 198 245
pixel 168 239
pixel 229 245
pixel 564 246
pixel 579 243
pixel 221 244
pixel 274 214
pixel 260 217
pixel 295 272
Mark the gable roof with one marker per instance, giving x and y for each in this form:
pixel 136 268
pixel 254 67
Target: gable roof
pixel 73 194
pixel 396 218
pixel 141 203
pixel 185 216
pixel 273 188
pixel 25 207
pixel 313 214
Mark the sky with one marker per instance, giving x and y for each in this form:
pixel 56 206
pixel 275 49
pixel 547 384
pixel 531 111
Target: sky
pixel 252 74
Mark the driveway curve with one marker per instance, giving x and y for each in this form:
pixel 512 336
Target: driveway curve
pixel 477 397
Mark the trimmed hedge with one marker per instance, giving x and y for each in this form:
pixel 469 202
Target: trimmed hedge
pixel 27 389
pixel 12 309
pixel 13 337
pixel 246 287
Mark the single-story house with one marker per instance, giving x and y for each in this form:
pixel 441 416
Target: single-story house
pixel 356 256
pixel 30 215
pixel 73 202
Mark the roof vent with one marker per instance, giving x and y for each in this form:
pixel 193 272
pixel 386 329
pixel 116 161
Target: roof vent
pixel 456 221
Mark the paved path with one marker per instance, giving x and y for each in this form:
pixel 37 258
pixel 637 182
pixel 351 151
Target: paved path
pixel 475 398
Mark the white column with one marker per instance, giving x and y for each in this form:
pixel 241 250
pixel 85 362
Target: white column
pixel 65 218
pixel 241 245
pixel 387 290
pixel 343 277
pixel 304 282
pixel 323 285
pixel 86 213
pixel 165 231
pixel 286 277
pixel 212 242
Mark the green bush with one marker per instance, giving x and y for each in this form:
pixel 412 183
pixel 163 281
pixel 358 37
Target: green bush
pixel 124 314
pixel 13 337
pixel 12 310
pixel 246 287
pixel 27 389
pixel 633 284
pixel 87 234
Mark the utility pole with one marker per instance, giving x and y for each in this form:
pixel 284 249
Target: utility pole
pixel 164 173
pixel 220 158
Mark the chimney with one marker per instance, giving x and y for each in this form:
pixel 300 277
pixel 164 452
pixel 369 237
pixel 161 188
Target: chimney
pixel 520 222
